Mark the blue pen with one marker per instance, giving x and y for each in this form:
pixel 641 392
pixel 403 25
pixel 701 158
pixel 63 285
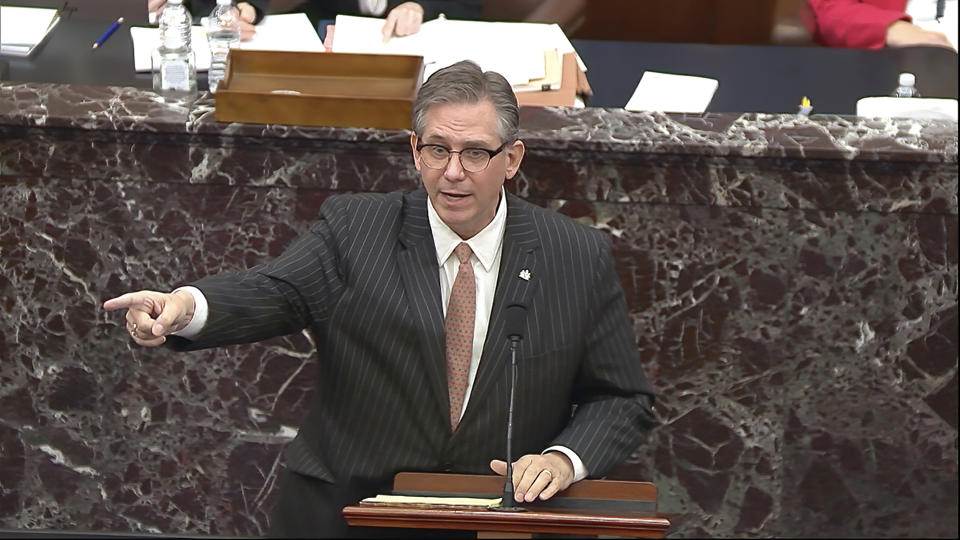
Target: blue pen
pixel 108 33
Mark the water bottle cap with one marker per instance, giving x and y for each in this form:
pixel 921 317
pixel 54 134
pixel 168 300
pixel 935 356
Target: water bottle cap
pixel 224 2
pixel 907 79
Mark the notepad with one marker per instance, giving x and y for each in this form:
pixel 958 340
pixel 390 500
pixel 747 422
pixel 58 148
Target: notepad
pixel 284 32
pixel 666 92
pixel 23 29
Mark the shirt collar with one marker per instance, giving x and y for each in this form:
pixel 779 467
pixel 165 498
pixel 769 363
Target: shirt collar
pixel 485 244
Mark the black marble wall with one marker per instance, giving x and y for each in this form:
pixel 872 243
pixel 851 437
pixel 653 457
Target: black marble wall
pixel 792 282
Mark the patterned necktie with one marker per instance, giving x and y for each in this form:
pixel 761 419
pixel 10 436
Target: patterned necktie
pixel 461 312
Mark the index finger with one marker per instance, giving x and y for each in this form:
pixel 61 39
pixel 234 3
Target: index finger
pixel 127 300
pixel 390 25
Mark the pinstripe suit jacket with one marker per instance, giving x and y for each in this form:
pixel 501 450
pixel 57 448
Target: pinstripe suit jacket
pixel 364 280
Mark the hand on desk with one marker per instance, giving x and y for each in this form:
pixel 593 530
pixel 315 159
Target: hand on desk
pixel 248 14
pixel 537 475
pixel 151 316
pixel 904 34
pixel 403 20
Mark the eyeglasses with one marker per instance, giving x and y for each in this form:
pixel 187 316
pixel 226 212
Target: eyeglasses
pixel 471 159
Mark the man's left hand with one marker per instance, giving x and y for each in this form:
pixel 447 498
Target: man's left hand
pixel 537 475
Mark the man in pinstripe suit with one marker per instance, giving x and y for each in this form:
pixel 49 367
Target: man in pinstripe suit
pixel 371 280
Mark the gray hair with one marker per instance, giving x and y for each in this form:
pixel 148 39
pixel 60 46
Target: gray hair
pixel 465 82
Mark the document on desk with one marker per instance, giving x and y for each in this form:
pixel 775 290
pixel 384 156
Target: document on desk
pixel 23 29
pixel 284 32
pixel 917 108
pixel 521 52
pixel 666 92
pixel 434 502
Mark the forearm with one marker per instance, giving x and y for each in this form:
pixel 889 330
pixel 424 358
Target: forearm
pixel 242 308
pixel 296 290
pixel 604 433
pixel 854 24
pixel 614 411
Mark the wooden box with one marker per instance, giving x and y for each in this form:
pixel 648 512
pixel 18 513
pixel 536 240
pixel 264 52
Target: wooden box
pixel 319 89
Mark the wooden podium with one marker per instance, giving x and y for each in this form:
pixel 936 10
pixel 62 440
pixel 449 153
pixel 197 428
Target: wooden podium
pixel 587 508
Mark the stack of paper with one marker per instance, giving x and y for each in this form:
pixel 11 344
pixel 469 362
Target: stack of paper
pixel 23 29
pixel 412 500
pixel 552 74
pixel 287 32
pixel 528 55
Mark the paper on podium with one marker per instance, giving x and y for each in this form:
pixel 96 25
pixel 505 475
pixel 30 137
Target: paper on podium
pixel 515 50
pixel 285 32
pixel 459 502
pixel 919 108
pixel 23 29
pixel 666 92
pixel 145 40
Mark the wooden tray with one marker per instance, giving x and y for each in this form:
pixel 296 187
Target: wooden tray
pixel 319 89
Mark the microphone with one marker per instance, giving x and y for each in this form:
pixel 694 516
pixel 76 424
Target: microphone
pixel 515 317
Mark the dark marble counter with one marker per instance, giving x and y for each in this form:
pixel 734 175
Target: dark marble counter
pixel 587 129
pixel 792 282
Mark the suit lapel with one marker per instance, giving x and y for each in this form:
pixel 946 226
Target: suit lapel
pixel 521 253
pixel 417 259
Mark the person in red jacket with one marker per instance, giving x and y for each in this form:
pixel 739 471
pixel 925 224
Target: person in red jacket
pixel 870 24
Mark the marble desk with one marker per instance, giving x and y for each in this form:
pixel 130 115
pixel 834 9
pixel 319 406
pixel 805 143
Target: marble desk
pixel 792 282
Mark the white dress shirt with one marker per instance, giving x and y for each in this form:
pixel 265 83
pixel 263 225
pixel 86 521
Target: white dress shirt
pixel 487 246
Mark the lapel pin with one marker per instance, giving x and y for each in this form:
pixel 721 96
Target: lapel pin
pixel 525 274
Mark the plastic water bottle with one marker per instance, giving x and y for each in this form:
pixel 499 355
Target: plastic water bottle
pixel 907 86
pixel 173 62
pixel 223 34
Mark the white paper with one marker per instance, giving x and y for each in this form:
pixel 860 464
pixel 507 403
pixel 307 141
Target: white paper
pixel 919 108
pixel 145 40
pixel 286 32
pixel 23 28
pixel 666 92
pixel 515 50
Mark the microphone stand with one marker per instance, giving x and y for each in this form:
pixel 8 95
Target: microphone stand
pixel 507 504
